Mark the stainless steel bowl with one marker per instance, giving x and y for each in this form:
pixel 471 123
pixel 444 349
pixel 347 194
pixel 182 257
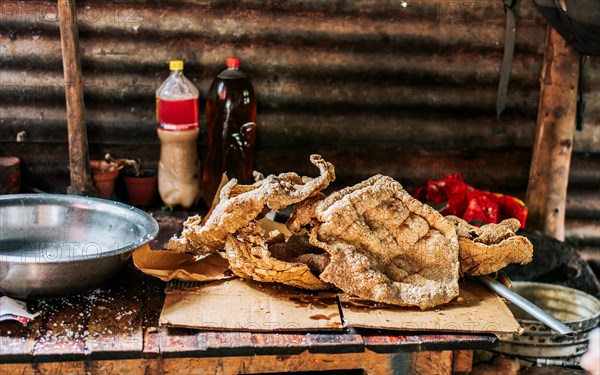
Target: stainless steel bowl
pixel 53 245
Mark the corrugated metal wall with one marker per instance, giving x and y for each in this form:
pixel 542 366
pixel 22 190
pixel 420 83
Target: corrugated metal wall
pixel 401 88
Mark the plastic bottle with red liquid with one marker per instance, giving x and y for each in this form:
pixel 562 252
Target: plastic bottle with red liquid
pixel 231 129
pixel 177 117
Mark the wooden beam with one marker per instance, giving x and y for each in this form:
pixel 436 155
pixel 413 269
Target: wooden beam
pixel 81 182
pixel 462 361
pixel 432 363
pixel 549 170
pixel 371 363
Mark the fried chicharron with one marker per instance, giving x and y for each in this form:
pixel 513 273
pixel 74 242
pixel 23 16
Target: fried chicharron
pixel 385 245
pixel 232 226
pixel 487 249
pixel 372 240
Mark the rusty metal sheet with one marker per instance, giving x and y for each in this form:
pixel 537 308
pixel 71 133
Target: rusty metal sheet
pixel 405 88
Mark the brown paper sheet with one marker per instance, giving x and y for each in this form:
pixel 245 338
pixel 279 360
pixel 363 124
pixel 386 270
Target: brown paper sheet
pixel 476 310
pixel 244 305
pixel 168 265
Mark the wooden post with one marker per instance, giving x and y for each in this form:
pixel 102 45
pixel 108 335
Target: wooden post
pixel 81 182
pixel 549 171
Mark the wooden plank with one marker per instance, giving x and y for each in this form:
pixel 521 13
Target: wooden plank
pixel 177 342
pixel 64 329
pixel 501 365
pixel 438 363
pixel 17 368
pixel 151 342
pixel 388 341
pixel 153 297
pixel 382 343
pixel 371 363
pixel 462 361
pixel 63 368
pixel 126 366
pixel 108 367
pixel 279 343
pixel 345 342
pixel 455 341
pixel 549 171
pixel 226 343
pixel 153 289
pixel 115 323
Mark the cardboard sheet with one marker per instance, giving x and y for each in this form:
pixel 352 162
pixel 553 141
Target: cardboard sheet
pixel 169 265
pixel 244 305
pixel 477 309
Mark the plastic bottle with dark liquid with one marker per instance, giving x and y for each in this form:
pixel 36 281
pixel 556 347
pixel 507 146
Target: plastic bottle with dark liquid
pixel 231 129
pixel 177 129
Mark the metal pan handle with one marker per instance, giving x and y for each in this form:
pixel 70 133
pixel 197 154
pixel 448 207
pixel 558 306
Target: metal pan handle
pixel 526 306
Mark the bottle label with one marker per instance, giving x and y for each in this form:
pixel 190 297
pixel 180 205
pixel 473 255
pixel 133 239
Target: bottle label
pixel 177 115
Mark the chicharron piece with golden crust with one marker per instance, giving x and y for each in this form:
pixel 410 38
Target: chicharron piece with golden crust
pixel 233 226
pixel 249 257
pixel 240 204
pixel 384 245
pixel 490 248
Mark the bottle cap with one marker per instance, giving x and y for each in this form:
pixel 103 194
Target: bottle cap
pixel 175 65
pixel 233 62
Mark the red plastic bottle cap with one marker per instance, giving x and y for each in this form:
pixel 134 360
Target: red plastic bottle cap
pixel 233 62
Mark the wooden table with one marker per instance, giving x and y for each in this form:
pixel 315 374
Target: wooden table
pixel 115 330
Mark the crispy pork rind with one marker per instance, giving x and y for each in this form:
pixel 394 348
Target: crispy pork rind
pixel 385 245
pixel 490 248
pixel 249 257
pixel 241 204
pixel 232 225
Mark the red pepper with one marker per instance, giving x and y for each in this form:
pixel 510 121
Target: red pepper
pixel 473 205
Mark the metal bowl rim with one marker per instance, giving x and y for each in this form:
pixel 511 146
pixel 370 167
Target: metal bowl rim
pixel 148 223
pixel 546 286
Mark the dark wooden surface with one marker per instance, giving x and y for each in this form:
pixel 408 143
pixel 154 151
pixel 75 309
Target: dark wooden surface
pixel 120 321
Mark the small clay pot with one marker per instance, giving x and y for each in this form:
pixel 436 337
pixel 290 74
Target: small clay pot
pixel 142 190
pixel 104 175
pixel 10 175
